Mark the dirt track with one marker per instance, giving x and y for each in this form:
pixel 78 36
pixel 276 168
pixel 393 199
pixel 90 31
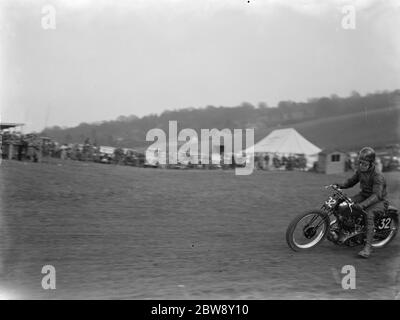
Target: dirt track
pixel 124 232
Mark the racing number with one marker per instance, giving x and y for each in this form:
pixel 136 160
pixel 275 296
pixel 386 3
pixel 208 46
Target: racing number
pixel 330 202
pixel 384 223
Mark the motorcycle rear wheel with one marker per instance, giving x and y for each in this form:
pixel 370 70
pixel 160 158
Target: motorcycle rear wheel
pixel 394 227
pixel 313 235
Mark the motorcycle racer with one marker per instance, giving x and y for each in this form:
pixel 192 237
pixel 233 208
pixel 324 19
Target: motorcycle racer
pixel 372 197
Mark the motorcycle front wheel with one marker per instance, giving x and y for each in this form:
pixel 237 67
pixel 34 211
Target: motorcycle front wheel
pixel 307 230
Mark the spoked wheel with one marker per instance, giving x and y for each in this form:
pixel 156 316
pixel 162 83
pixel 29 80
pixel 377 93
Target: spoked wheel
pixel 307 230
pixel 383 237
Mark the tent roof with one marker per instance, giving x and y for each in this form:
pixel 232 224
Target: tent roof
pixel 329 151
pixel 7 125
pixel 285 141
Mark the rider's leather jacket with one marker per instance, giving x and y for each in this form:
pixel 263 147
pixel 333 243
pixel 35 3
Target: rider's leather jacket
pixel 372 185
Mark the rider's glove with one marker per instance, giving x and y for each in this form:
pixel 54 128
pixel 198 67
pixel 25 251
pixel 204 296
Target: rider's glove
pixel 358 207
pixel 339 185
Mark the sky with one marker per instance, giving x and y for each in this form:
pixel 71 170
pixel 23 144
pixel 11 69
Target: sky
pixel 110 58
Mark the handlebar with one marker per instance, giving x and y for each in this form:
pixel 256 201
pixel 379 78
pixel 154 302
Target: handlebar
pixel 334 187
pixel 341 194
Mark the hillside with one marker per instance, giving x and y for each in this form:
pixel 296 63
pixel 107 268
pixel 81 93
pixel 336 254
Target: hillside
pixel 374 128
pixel 333 122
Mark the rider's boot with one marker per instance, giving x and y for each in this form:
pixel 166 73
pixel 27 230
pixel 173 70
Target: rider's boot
pixel 366 252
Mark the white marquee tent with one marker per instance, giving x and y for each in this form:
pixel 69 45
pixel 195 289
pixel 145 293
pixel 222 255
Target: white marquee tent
pixel 287 142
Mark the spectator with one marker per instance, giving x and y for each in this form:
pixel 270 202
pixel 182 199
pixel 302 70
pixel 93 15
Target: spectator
pixel 378 164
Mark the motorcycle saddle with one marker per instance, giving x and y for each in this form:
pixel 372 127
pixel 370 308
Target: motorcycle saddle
pixel 391 208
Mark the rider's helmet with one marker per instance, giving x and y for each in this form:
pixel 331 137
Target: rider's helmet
pixel 366 155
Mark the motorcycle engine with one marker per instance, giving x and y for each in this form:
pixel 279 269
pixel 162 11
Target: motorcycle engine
pixel 348 221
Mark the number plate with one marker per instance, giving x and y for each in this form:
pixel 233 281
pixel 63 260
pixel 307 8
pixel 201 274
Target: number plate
pixel 384 223
pixel 330 202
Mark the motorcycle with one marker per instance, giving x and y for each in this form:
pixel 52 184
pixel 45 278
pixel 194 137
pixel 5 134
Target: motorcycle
pixel 341 224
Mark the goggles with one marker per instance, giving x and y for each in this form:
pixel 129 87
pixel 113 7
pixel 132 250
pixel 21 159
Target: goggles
pixel 363 163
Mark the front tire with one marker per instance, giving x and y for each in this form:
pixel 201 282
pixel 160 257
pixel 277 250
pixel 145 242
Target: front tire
pixel 314 231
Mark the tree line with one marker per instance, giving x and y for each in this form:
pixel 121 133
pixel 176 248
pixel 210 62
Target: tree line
pixel 130 131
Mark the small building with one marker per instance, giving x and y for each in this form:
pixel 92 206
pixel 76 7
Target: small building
pixel 8 142
pixel 107 150
pixel 332 161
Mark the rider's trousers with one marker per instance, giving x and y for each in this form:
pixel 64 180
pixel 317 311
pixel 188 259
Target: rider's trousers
pixel 372 211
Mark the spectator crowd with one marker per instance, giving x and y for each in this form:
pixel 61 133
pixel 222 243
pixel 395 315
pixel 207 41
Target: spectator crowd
pixel 32 147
